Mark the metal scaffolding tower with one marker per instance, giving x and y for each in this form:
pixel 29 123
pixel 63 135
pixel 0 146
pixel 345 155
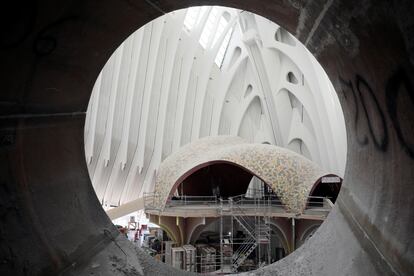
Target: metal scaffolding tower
pixel 257 229
pixel 252 215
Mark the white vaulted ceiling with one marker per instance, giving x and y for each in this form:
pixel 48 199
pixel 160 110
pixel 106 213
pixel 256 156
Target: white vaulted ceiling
pixel 206 71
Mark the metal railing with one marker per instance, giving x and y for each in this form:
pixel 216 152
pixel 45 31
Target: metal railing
pixel 266 202
pixel 192 200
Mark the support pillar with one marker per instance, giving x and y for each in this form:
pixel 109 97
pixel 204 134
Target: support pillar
pixel 293 241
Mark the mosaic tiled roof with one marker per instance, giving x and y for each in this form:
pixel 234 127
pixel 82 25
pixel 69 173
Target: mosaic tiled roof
pixel 290 175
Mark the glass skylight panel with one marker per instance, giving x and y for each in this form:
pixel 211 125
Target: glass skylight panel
pixel 208 28
pixel 220 28
pixel 223 48
pixel 191 17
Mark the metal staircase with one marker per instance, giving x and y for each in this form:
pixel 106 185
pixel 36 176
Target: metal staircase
pixel 243 252
pixel 257 231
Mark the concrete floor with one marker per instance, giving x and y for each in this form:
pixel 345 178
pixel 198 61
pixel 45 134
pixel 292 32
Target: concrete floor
pixel 51 52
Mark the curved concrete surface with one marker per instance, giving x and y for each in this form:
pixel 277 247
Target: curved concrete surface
pixel 51 53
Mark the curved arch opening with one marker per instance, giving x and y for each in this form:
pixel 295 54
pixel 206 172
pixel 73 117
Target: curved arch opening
pixel 299 146
pixel 325 188
pixel 283 36
pixel 221 180
pixel 235 56
pixel 307 233
pixel 249 90
pixel 290 77
pixel 209 234
pixel 279 243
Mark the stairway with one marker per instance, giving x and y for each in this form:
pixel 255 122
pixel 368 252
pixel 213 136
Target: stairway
pixel 243 252
pixel 256 234
pixel 246 225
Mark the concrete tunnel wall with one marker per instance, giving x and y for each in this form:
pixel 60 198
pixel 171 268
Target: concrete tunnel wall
pixel 51 53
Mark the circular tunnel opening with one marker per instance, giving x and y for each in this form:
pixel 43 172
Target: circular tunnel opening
pixel 146 104
pixel 44 178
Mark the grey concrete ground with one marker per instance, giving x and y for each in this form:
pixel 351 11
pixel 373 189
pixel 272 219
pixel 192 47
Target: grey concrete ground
pixel 120 257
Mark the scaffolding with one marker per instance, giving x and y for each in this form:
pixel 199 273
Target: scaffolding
pixel 257 229
pixel 252 214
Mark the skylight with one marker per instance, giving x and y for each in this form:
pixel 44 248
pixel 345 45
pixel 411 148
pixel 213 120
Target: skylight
pixel 223 48
pixel 193 17
pixel 220 28
pixel 208 28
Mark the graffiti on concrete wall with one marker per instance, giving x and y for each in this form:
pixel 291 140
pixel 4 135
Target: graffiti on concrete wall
pixel 369 109
pixel 361 90
pixel 45 41
pixel 397 84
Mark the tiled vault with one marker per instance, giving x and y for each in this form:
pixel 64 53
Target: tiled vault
pixel 290 175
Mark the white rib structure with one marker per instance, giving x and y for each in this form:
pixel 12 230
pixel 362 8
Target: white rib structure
pixel 206 71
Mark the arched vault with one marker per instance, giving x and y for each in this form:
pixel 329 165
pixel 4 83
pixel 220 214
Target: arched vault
pixel 290 175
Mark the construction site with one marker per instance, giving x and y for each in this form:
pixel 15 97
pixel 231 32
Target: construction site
pixel 231 221
pixel 179 138
pixel 242 234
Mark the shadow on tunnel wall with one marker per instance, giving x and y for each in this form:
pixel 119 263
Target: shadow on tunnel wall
pixel 51 53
